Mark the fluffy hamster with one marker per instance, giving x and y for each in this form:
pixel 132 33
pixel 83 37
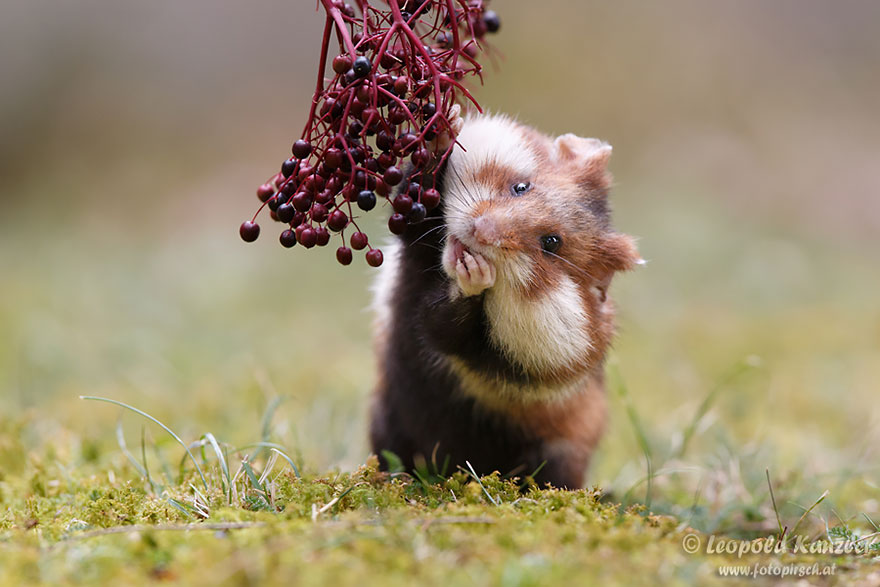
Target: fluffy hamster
pixel 493 316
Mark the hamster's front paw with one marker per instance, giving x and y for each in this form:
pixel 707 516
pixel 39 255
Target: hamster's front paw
pixel 474 273
pixel 447 136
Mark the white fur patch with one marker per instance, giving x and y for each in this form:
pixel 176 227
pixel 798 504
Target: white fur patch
pixel 492 139
pixel 383 287
pixel 545 334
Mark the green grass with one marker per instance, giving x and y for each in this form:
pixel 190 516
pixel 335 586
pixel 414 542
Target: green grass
pixel 742 391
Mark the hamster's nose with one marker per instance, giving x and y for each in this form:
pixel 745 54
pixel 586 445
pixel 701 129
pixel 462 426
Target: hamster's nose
pixel 485 230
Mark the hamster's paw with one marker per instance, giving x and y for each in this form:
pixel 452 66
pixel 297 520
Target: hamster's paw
pixel 456 122
pixel 474 273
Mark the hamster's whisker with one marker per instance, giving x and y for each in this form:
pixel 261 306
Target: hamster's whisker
pixel 427 232
pixel 575 267
pixel 467 191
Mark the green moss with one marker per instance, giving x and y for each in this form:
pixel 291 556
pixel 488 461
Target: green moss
pixel 365 527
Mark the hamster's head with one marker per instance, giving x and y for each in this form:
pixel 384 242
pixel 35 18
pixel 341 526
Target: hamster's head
pixel 536 208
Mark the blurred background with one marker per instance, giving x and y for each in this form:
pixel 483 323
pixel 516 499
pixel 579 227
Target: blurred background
pixel 746 154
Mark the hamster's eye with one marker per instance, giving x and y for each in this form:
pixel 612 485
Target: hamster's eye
pixel 520 188
pixel 551 242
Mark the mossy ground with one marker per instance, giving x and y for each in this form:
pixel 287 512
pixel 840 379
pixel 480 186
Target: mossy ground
pixel 365 527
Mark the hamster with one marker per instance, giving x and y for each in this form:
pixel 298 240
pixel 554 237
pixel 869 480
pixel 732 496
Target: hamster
pixel 492 315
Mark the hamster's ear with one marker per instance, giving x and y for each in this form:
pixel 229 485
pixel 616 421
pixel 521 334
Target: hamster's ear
pixel 586 157
pixel 620 252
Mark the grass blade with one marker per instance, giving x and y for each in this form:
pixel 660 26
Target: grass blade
pixel 775 509
pixel 477 478
pixel 155 421
pixel 120 440
pixel 221 458
pixel 738 369
pixel 810 509
pixel 641 437
pixel 289 461
pixel 266 427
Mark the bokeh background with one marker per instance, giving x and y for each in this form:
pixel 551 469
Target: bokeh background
pixel 747 161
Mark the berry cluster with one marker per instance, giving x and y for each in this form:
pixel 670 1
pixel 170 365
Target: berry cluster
pixel 394 90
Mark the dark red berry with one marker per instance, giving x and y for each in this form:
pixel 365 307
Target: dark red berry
pixel 401 85
pixel 417 214
pixel 479 28
pixel 392 176
pixel 357 108
pixel 343 255
pixel 362 67
pixel 342 63
pixel 402 204
pixel 384 140
pixel 288 167
pixel 364 93
pixel 322 235
pixel 301 202
pixel 334 185
pixel 265 191
pixel 325 197
pixel 430 198
pixel 314 183
pixel 289 188
pixel 249 231
pixel 285 212
pixel 329 107
pixel 366 200
pixel 386 160
pixel 396 115
pixel 421 157
pixel 301 149
pixel 287 238
pixel 358 154
pixel 298 219
pixel 406 143
pixel 493 23
pixel 337 220
pixel 358 241
pixel 308 237
pixel 374 258
pixel 355 129
pixel 369 116
pixel 318 212
pixel 414 190
pixel 382 188
pixel 388 61
pixel 333 158
pixel 397 223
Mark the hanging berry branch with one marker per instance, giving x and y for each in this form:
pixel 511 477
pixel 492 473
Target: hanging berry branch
pixel 394 96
